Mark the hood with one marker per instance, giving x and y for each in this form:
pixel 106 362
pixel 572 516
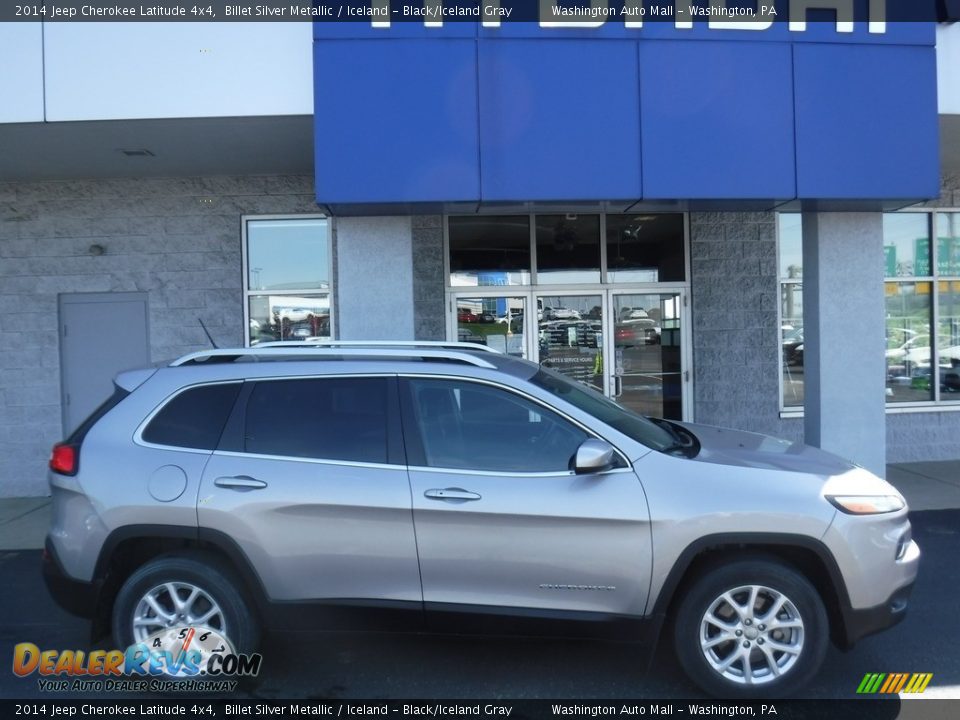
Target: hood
pixel 746 449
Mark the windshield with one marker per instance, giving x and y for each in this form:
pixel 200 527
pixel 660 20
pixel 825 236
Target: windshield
pixel 616 416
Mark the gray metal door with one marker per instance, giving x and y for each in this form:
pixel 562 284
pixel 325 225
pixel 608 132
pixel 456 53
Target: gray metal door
pixel 101 334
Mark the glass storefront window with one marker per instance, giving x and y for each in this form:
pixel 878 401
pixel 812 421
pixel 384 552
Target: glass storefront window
pixel 496 322
pixel 570 336
pixel 489 251
pixel 568 249
pixel 906 244
pixel 948 244
pixel 284 254
pixel 790 236
pixel 908 353
pixel 287 262
pixel 922 353
pixel 948 339
pixel 645 248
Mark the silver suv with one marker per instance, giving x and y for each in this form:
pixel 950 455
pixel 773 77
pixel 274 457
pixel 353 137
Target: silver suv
pixel 450 487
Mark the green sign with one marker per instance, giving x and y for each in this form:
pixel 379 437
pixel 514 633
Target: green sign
pixel 890 258
pixel 948 256
pixel 922 257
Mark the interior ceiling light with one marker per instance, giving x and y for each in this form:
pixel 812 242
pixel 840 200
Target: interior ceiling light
pixel 142 152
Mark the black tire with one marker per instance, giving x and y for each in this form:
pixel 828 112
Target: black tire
pixel 202 570
pixel 774 580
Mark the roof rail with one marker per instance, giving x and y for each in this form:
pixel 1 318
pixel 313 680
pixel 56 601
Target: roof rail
pixel 327 343
pixel 315 352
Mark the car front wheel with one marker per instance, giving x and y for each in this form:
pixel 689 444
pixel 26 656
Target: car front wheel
pixel 751 629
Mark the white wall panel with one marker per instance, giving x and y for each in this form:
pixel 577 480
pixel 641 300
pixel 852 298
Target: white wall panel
pixel 21 72
pixel 101 71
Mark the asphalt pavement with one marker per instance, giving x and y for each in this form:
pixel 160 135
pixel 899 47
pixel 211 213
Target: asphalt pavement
pixel 350 666
pixel 319 666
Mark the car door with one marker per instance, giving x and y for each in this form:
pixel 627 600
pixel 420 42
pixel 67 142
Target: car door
pixel 310 481
pixel 503 525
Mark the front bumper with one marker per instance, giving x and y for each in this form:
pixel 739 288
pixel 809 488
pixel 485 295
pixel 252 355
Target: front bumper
pixel 75 596
pixel 859 623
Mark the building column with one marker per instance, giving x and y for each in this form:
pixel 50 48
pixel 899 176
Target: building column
pixel 374 283
pixel 843 336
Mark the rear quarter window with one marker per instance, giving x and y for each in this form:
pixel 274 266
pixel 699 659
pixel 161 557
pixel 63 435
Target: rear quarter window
pixel 193 419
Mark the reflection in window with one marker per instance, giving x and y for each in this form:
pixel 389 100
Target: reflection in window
pixel 568 248
pixel 790 237
pixel 948 307
pixel 908 353
pixel 486 251
pixel 922 353
pixel 906 244
pixel 645 248
pixel 287 254
pixel 288 279
pixel 790 234
pixel 496 322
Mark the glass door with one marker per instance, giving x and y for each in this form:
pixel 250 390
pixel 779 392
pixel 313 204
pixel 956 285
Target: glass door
pixel 570 335
pixel 647 345
pixel 630 345
pixel 497 321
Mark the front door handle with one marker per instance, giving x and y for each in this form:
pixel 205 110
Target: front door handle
pixel 239 482
pixel 453 494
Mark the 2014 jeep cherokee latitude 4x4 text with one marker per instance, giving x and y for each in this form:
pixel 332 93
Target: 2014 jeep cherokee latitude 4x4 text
pixel 450 487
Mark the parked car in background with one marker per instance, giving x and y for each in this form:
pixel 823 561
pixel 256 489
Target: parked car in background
pixel 465 315
pixel 464 335
pixel 792 344
pixel 636 327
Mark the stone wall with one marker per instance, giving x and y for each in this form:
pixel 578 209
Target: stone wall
pixel 428 279
pixel 736 338
pixel 179 240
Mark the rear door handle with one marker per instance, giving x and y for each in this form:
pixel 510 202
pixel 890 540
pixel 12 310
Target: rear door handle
pixel 239 482
pixel 452 494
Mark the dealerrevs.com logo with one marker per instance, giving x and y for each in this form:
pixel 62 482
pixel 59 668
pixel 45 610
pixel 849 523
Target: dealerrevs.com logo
pixel 174 659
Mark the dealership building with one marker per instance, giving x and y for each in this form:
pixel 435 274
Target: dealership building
pixel 748 224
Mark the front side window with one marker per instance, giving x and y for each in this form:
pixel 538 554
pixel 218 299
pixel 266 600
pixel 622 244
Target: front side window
pixel 323 418
pixel 472 426
pixel 287 284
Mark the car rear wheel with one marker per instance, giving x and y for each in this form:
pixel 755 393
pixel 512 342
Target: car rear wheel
pixel 751 629
pixel 175 591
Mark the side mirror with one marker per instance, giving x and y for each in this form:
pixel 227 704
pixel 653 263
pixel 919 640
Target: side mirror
pixel 593 456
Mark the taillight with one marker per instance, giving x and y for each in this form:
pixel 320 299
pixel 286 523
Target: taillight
pixel 63 459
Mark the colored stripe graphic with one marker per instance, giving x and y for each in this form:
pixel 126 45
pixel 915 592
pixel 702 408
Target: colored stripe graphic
pixel 918 683
pixel 894 683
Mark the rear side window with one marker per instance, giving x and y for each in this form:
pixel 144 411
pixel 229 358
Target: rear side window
pixel 320 418
pixel 194 418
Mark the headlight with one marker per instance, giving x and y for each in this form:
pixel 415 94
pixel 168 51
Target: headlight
pixel 866 504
